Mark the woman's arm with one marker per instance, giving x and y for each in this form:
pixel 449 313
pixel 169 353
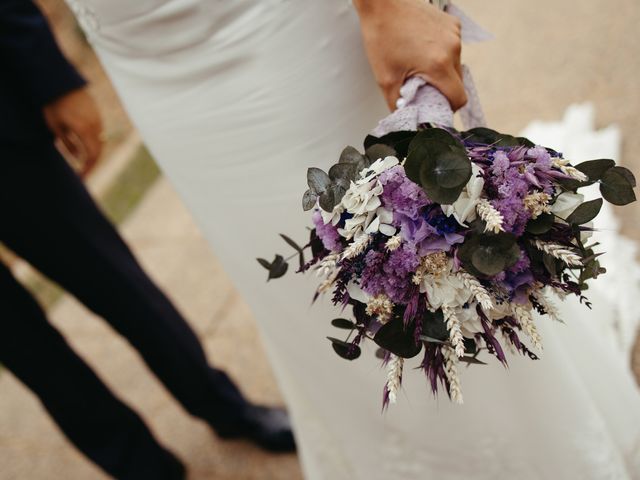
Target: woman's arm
pixel 405 38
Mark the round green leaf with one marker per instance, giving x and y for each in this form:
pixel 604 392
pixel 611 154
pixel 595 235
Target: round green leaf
pixel 541 224
pixel 344 349
pixel 309 200
pixel 447 169
pixel 278 267
pixel 343 323
pixel 585 212
pixel 317 180
pixel 595 169
pixel 378 151
pixel 616 187
pixel 434 327
pixel 350 155
pixel 487 261
pixel 399 141
pixel 393 336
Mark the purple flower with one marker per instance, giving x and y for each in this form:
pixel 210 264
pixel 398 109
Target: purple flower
pixel 390 273
pixel 327 233
pixel 500 164
pixel 400 194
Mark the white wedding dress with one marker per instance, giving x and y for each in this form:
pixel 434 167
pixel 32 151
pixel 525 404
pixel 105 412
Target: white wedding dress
pixel 235 99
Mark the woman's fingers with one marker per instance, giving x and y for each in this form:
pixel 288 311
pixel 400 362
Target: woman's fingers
pixel 404 38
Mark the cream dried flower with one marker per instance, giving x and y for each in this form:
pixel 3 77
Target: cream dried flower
pixel 537 203
pixel 565 254
pixel 394 377
pixel 491 216
pixel 434 264
pixel 380 306
pixel 475 287
pixel 525 320
pixel 357 246
pixel 548 306
pixel 453 324
pixel 451 371
pixel 393 243
pixel 563 165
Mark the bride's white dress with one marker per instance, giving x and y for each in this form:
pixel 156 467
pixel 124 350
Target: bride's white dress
pixel 235 99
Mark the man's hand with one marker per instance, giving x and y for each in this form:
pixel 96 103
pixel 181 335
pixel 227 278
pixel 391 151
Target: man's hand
pixel 75 121
pixel 406 38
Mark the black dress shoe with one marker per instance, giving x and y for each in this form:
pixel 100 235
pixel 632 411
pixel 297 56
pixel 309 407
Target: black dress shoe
pixel 268 427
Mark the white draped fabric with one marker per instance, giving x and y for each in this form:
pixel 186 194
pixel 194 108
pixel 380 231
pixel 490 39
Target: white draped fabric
pixel 235 99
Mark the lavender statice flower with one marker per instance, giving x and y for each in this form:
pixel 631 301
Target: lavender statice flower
pixel 400 194
pixel 327 232
pixel 512 188
pixel 500 163
pixel 391 273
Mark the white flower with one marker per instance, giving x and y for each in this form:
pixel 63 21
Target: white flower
pixel 362 198
pixel 464 209
pixel 382 223
pixel 376 168
pixel 470 322
pixel 499 310
pixel 566 203
pixel 355 292
pixel 445 289
pixel 332 217
pixel 363 202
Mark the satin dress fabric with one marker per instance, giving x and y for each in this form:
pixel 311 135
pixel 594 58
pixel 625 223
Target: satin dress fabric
pixel 235 100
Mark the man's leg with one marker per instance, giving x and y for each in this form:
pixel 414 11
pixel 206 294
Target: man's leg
pixel 99 424
pixel 56 226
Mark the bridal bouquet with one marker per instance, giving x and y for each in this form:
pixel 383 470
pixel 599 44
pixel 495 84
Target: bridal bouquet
pixel 446 243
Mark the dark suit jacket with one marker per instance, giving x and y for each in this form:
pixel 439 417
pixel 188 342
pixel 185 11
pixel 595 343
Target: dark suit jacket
pixel 33 72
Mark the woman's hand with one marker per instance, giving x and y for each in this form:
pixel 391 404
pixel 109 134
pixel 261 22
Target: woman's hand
pixel 406 38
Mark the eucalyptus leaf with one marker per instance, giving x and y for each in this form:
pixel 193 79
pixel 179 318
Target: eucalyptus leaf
pixel 399 141
pixel 628 174
pixel 331 197
pixel 551 264
pixel 278 267
pixel 541 224
pixel 616 187
pixel 394 337
pixel 381 353
pixel 378 151
pixel 585 212
pixel 444 196
pixel 344 349
pixel 343 173
pixel 489 254
pixel 471 360
pixel 291 243
pixel 525 142
pixel 309 200
pixel 264 263
pixel 351 155
pixel 486 261
pixel 595 169
pixel 434 326
pixel 448 169
pixel 436 136
pixel 343 323
pixel 317 180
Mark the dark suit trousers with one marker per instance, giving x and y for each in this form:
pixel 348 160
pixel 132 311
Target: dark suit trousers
pixel 48 218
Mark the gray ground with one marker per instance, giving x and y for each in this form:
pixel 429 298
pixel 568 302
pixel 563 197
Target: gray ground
pixel 546 56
